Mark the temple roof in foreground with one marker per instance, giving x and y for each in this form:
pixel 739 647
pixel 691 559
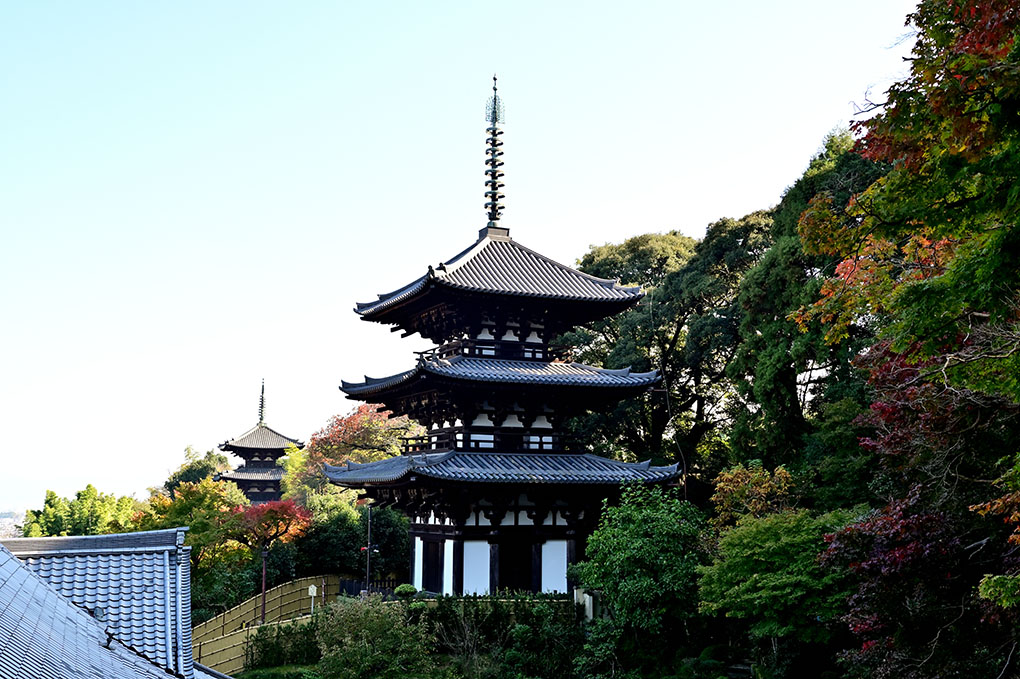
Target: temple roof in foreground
pixel 43 634
pixel 496 264
pixel 131 578
pixel 494 370
pixel 495 467
pixel 261 437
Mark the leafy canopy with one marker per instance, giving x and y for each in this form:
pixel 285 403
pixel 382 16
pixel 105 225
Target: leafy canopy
pixel 767 571
pixel 643 557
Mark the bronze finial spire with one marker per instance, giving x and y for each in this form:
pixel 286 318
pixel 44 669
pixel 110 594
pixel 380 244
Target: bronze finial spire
pixel 494 115
pixel 262 403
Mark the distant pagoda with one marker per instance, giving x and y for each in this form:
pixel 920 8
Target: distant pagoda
pixel 259 478
pixel 496 496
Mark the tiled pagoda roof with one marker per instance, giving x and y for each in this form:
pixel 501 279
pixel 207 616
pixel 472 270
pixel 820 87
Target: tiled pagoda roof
pixel 128 580
pixel 250 473
pixel 496 264
pixel 495 467
pixel 495 370
pixel 261 437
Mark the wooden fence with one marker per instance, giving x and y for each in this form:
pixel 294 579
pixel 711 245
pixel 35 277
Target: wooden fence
pixel 226 653
pixel 285 602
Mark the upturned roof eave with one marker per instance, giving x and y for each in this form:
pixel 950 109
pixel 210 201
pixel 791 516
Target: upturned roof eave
pixel 376 386
pixel 399 471
pixel 421 286
pixel 237 443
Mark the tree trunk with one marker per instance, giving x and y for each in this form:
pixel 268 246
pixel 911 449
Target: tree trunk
pixel 264 554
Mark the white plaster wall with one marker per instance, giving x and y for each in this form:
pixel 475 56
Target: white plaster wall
pixel 447 566
pixel 419 553
pixel 476 566
pixel 554 566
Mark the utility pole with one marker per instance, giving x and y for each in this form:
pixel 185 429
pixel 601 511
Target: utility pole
pixel 368 553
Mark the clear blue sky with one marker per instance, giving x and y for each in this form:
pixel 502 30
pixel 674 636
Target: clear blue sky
pixel 193 195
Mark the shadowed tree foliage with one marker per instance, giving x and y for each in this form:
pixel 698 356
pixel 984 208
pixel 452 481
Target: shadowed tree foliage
pixel 686 327
pixel 784 372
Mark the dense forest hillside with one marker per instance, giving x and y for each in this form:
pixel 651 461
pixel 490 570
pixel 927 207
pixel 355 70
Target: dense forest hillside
pixel 842 385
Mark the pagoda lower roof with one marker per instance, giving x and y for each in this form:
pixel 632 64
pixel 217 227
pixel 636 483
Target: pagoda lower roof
pixel 261 437
pixel 496 264
pixel 494 467
pixel 496 370
pixel 249 473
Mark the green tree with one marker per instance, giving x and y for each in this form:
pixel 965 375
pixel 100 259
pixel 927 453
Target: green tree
pixel 196 467
pixel 750 491
pixel 686 328
pixel 206 508
pixel 643 558
pixel 767 572
pixel 783 371
pixel 89 513
pixel 933 248
pixel 339 530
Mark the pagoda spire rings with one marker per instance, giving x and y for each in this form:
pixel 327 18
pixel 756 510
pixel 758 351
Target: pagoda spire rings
pixel 494 115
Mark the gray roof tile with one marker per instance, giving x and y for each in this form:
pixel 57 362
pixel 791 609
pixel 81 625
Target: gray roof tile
pixel 261 437
pixel 497 264
pixel 495 467
pixel 246 473
pixel 43 635
pixel 131 577
pixel 509 372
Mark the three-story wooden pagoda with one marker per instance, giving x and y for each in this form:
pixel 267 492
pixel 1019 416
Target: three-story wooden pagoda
pixel 260 477
pixel 496 496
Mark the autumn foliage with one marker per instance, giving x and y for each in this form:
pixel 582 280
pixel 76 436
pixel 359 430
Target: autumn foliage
pixel 259 526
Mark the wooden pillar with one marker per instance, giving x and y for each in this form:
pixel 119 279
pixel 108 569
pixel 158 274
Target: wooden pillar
pixel 411 571
pixel 458 563
pixel 536 566
pixel 493 566
pixel 572 555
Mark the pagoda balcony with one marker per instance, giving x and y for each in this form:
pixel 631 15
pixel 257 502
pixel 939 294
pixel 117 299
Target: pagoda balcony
pixel 500 440
pixel 482 348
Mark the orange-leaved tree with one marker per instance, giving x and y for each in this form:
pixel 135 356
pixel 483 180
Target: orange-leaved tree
pixel 365 434
pixel 259 526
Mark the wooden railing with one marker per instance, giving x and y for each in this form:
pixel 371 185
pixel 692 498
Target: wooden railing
pixel 500 440
pixel 514 351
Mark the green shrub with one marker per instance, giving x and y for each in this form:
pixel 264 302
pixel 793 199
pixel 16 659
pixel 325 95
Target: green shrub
pixel 405 591
pixel 288 672
pixel 517 637
pixel 362 638
pixel 279 645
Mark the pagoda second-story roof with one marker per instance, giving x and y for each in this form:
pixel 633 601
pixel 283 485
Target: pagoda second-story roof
pixel 251 473
pixel 498 265
pixel 496 467
pixel 495 370
pixel 261 437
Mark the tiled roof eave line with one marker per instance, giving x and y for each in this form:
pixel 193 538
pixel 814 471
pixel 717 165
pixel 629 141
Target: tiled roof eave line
pixel 640 380
pixel 632 297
